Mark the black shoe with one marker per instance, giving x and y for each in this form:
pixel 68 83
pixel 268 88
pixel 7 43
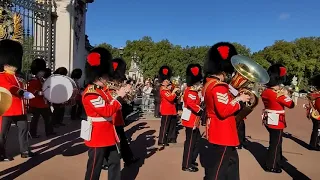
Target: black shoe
pixel 273 170
pixel 190 169
pixel 35 136
pixel 5 158
pixel 28 154
pixel 239 147
pixel 104 167
pixel 195 164
pixel 173 141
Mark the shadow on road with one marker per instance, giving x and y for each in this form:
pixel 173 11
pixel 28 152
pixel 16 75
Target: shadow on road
pixel 60 145
pixel 142 148
pixel 260 154
pixel 297 140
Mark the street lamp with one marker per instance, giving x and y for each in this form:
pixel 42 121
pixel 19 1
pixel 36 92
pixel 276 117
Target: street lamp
pixel 121 51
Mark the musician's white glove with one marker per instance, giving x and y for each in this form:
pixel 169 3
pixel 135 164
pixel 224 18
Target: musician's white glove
pixel 28 95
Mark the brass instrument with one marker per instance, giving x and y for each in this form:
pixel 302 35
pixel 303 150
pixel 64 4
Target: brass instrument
pixel 247 79
pixel 114 86
pixel 283 89
pixel 5 100
pixel 312 110
pixel 176 84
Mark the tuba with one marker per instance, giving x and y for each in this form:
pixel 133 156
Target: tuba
pixel 5 100
pixel 248 79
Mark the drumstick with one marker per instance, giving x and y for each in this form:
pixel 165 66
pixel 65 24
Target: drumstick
pixel 46 88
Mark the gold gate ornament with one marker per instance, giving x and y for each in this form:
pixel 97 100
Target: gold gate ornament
pixel 10 25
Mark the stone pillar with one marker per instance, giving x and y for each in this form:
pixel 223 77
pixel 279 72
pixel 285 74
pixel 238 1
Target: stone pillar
pixel 70 34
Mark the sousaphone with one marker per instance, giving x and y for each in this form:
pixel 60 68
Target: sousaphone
pixel 5 100
pixel 247 79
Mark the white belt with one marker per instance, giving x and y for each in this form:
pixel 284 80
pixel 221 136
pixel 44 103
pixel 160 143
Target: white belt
pixel 99 119
pixel 274 111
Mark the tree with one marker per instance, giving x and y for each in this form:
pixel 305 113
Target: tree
pixel 301 56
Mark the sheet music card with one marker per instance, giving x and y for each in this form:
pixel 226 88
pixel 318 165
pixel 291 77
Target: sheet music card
pixel 186 113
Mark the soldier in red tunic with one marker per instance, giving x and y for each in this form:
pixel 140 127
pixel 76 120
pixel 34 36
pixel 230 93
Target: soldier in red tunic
pixel 275 99
pixel 167 107
pixel 313 113
pixel 191 116
pixel 100 108
pixel 218 154
pixel 39 106
pixel 11 53
pixel 119 66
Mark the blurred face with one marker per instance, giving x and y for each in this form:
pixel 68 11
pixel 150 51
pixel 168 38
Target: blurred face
pixel 147 83
pixel 9 68
pixel 102 81
pixel 40 74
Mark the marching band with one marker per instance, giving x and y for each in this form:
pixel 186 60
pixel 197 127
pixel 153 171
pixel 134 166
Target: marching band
pixel 220 100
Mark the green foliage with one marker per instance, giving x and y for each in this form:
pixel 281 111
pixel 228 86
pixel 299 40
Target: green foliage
pixel 301 56
pixel 27 51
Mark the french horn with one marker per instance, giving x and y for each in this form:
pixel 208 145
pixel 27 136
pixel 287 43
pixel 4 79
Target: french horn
pixel 5 100
pixel 248 78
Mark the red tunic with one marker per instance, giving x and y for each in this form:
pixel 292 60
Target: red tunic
pixel 117 117
pixel 100 108
pixel 34 86
pixel 314 104
pixel 192 102
pixel 167 104
pixel 220 109
pixel 275 104
pixel 16 88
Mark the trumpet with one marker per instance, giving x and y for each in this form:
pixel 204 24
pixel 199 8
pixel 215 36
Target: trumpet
pixel 247 79
pixel 285 90
pixel 176 84
pixel 115 86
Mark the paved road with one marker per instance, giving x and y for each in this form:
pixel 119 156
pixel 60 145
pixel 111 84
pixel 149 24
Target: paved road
pixel 64 157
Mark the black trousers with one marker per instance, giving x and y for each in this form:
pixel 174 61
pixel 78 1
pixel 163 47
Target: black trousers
pixel 172 133
pixel 46 115
pixel 22 124
pixel 125 149
pixel 241 126
pixel 219 162
pixel 156 109
pixel 275 148
pixel 58 114
pixel 191 149
pixel 76 110
pixel 203 118
pixel 167 128
pixel 96 158
pixel 314 140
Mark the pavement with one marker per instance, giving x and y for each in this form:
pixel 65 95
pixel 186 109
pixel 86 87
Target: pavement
pixel 64 157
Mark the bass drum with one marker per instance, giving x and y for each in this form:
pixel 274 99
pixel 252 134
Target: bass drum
pixel 59 89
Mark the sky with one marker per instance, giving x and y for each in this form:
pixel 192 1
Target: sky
pixel 254 23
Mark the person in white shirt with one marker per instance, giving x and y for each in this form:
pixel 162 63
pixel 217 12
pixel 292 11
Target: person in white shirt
pixel 146 92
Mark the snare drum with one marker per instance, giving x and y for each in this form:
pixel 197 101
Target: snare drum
pixel 59 89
